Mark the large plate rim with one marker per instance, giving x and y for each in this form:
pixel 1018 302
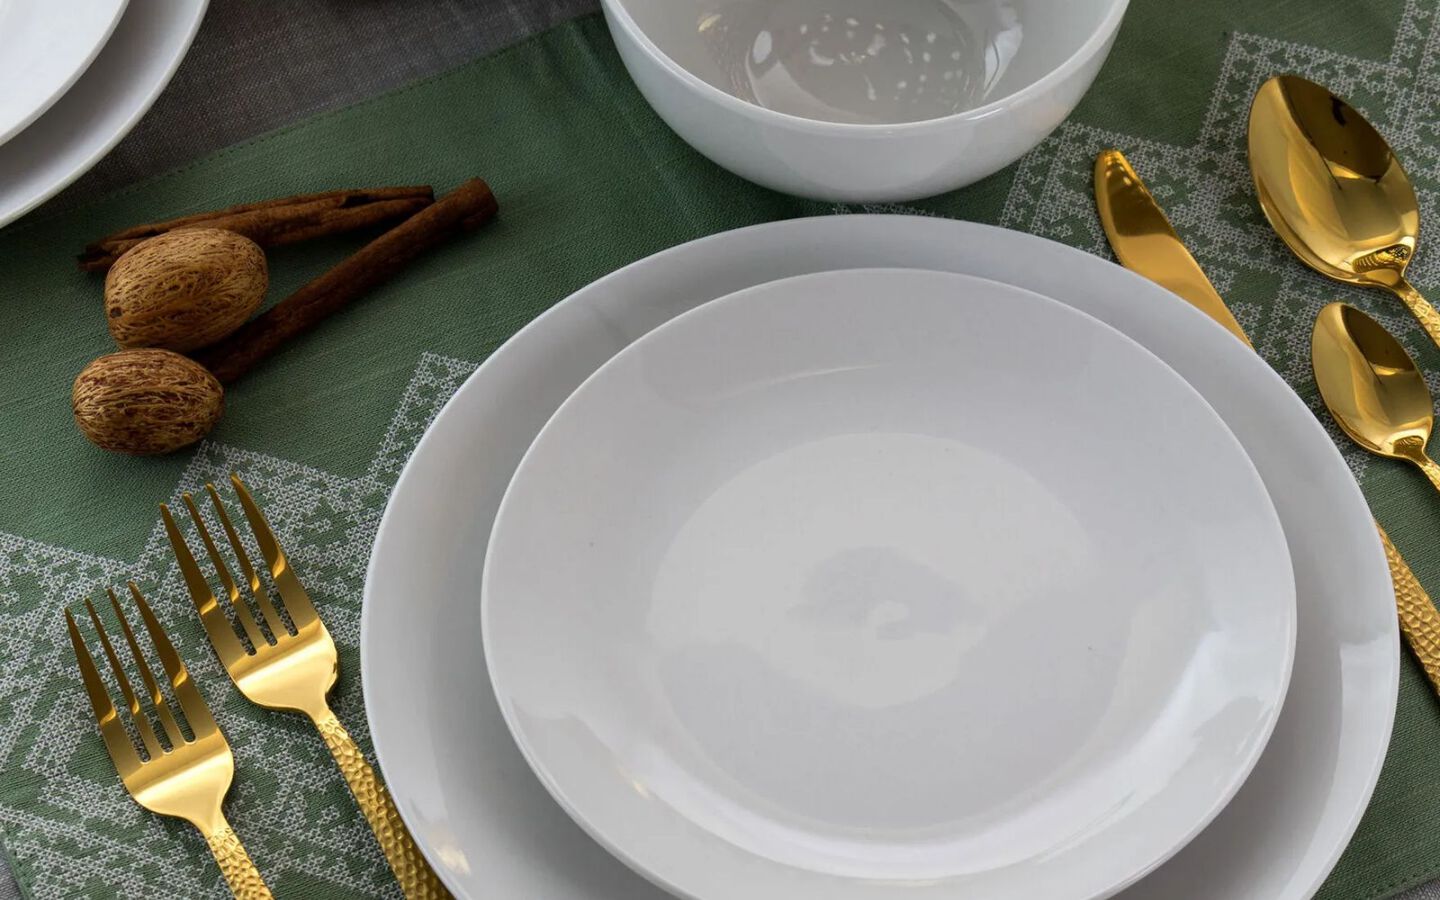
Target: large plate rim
pixel 63 84
pixel 143 98
pixel 1177 308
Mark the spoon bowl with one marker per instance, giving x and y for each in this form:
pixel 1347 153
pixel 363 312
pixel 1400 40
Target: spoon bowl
pixel 1372 386
pixel 1334 191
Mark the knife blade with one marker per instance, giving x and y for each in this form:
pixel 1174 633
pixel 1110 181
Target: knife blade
pixel 1145 242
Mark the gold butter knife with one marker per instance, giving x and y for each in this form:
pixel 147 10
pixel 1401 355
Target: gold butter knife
pixel 1145 242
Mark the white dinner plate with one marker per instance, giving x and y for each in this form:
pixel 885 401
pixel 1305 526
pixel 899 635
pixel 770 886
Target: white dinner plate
pixel 888 583
pixel 44 48
pixel 101 107
pixel 491 829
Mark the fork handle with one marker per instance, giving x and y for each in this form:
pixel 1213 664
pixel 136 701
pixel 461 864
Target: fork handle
pixel 417 880
pixel 240 873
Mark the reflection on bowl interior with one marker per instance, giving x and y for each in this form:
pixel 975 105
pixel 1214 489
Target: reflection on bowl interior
pixel 868 61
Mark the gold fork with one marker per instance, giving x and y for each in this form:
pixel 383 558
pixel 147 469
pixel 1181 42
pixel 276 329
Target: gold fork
pixel 189 780
pixel 290 668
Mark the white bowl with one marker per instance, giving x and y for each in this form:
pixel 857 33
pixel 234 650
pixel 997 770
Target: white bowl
pixel 834 589
pixel 1027 69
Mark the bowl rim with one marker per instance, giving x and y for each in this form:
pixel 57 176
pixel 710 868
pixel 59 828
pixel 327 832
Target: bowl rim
pixel 1107 28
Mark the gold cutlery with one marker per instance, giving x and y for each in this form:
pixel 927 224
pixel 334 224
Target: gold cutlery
pixel 1120 192
pixel 1334 191
pixel 290 666
pixel 189 779
pixel 1143 238
pixel 1372 387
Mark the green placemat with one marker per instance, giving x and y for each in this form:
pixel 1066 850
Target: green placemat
pixel 588 180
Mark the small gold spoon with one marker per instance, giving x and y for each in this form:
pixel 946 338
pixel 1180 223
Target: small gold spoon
pixel 1372 387
pixel 1334 191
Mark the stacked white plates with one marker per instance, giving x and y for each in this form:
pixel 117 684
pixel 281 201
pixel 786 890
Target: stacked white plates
pixel 78 76
pixel 878 583
pixel 44 48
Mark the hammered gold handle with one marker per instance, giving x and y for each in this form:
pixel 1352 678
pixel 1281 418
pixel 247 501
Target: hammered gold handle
pixel 240 873
pixel 1419 620
pixel 417 880
pixel 1431 470
pixel 1419 307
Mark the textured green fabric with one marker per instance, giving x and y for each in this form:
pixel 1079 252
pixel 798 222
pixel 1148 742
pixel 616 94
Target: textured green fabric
pixel 588 180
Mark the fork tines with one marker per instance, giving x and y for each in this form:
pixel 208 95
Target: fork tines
pixel 112 727
pixel 295 611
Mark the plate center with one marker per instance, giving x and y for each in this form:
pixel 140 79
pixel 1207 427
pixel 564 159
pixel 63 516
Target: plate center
pixel 846 600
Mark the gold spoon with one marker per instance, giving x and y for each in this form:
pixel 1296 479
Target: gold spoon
pixel 1372 387
pixel 1332 188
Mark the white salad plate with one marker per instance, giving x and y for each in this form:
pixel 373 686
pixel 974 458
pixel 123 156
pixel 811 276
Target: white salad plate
pixel 484 819
pixel 888 582
pixel 101 107
pixel 44 48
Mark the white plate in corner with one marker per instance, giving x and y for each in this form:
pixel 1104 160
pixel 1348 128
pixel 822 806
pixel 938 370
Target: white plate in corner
pixel 888 583
pixel 119 86
pixel 44 49
pixel 491 829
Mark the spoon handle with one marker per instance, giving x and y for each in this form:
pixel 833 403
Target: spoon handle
pixel 1419 619
pixel 1421 309
pixel 1429 467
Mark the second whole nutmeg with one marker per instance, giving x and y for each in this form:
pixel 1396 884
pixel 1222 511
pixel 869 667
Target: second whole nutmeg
pixel 184 289
pixel 145 401
pixel 148 399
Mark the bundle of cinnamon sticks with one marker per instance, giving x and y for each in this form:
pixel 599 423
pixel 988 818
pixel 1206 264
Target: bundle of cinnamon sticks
pixel 274 223
pixel 423 223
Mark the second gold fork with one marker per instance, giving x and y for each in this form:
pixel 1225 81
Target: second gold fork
pixel 189 779
pixel 289 666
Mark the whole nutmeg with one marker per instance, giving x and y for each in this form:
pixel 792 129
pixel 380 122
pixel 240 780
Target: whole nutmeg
pixel 146 401
pixel 184 289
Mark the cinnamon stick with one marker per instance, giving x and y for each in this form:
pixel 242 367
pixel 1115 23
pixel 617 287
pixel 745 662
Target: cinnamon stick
pixel 274 223
pixel 468 206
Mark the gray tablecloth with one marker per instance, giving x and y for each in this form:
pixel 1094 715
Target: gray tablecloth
pixel 257 66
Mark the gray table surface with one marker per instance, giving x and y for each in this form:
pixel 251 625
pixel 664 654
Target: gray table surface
pixel 255 67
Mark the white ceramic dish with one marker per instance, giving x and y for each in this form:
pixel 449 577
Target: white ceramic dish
pixel 44 48
pixel 101 108
pixel 859 585
pixel 1026 63
pixel 492 830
